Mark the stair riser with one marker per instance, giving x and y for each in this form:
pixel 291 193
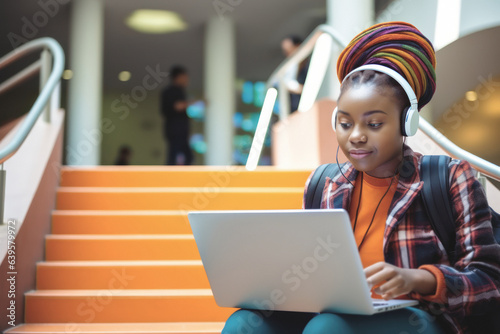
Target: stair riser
pixel 168 178
pixel 112 277
pixel 106 308
pixel 143 218
pixel 120 224
pixel 185 202
pixel 127 250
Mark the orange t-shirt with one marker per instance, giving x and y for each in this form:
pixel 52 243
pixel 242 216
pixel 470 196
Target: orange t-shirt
pixel 373 191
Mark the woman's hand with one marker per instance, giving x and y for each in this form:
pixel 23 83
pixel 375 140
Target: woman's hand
pixel 394 281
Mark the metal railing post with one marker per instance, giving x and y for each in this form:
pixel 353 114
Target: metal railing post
pixel 45 70
pixel 284 100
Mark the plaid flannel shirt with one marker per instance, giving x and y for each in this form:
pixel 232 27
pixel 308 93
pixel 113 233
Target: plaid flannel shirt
pixel 471 285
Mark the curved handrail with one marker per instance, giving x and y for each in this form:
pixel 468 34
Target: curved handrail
pixel 304 50
pixel 483 166
pixel 21 76
pixel 42 99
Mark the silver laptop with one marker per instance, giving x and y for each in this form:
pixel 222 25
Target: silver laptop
pixel 287 260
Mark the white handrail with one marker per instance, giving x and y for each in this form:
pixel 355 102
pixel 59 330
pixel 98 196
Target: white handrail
pixel 485 167
pixel 55 76
pixel 302 52
pixel 20 77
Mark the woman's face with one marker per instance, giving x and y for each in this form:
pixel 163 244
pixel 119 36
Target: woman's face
pixel 368 129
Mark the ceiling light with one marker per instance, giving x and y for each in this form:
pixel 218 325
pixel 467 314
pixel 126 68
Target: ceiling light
pixel 152 21
pixel 124 76
pixel 471 96
pixel 67 74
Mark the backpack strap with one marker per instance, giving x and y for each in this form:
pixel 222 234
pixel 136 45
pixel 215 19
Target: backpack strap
pixel 317 184
pixel 434 172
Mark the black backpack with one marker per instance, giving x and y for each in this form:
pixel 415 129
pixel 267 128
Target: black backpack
pixel 434 172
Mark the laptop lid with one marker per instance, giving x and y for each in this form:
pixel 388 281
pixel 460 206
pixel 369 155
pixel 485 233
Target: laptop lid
pixel 290 260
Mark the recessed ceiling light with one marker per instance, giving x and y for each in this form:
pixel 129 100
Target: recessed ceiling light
pixel 124 76
pixel 471 96
pixel 152 21
pixel 67 74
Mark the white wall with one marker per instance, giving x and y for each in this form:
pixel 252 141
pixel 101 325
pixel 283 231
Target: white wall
pixel 475 15
pixel 478 15
pixel 420 13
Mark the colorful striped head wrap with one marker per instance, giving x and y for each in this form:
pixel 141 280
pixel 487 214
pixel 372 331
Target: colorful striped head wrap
pixel 399 46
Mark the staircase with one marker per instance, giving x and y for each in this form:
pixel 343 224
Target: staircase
pixel 121 257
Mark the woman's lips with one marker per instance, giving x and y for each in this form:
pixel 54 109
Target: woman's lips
pixel 359 154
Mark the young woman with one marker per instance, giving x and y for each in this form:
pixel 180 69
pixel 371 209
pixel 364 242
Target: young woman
pixel 380 186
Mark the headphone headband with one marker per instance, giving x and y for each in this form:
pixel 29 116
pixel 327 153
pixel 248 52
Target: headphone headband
pixel 393 74
pixel 409 117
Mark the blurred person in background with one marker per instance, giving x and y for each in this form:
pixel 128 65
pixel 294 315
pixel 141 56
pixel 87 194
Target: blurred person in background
pixel 176 121
pixel 296 75
pixel 124 155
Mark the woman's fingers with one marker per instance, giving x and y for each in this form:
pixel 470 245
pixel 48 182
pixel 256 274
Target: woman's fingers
pixel 383 275
pixel 395 292
pixel 394 282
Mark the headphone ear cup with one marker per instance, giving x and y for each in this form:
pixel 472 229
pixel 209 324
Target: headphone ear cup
pixel 409 122
pixel 334 119
pixel 403 121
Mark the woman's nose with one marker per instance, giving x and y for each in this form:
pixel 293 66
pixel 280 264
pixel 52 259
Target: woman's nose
pixel 357 135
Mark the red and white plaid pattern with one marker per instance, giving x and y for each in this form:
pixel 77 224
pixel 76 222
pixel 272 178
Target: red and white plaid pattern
pixel 471 285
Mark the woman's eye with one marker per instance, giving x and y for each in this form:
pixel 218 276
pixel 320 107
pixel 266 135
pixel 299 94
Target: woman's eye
pixel 375 125
pixel 345 125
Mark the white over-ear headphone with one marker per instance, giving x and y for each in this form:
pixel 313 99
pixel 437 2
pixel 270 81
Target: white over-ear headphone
pixel 409 117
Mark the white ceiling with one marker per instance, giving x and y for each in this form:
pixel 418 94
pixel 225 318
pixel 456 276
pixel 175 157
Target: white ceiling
pixel 260 26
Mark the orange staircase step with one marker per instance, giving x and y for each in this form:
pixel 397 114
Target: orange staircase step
pixel 186 176
pixel 120 247
pixel 121 328
pixel 71 275
pixel 118 306
pixel 122 258
pixel 184 199
pixel 119 222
